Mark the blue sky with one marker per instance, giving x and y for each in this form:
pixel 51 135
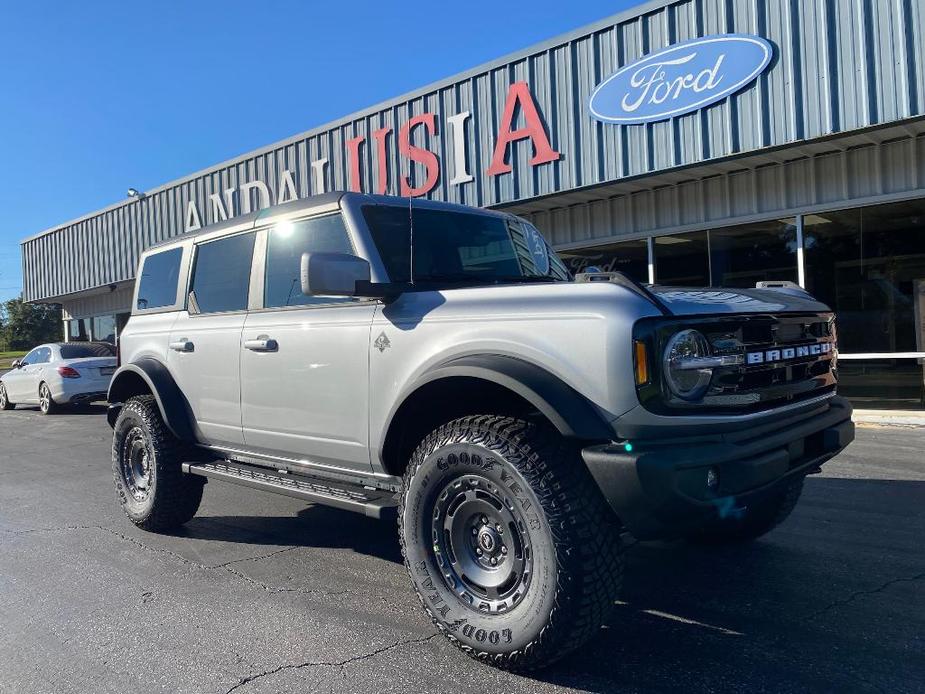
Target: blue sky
pixel 101 96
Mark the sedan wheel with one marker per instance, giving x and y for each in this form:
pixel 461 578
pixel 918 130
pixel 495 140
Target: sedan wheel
pixel 5 403
pixel 47 403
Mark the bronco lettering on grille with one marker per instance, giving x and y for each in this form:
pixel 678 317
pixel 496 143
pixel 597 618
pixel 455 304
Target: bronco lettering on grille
pixel 788 353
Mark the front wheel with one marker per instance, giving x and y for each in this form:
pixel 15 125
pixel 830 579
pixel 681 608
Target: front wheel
pixel 5 403
pixel 509 544
pixel 47 404
pixel 151 486
pixel 756 520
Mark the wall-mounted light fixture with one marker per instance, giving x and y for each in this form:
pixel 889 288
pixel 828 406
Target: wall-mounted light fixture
pixel 132 193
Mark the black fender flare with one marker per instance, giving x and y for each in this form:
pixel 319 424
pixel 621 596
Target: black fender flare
pixel 175 409
pixel 570 412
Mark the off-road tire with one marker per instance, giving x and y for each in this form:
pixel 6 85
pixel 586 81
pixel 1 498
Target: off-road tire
pixel 577 555
pixel 5 403
pixel 47 404
pixel 758 519
pixel 170 497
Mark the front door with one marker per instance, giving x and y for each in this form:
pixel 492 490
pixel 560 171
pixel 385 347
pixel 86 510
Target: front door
pixel 305 359
pixel 305 375
pixel 22 384
pixel 205 341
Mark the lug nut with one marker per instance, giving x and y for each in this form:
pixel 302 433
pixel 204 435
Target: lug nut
pixel 478 551
pixel 499 528
pixel 475 531
pixel 494 561
pixel 484 520
pixel 503 549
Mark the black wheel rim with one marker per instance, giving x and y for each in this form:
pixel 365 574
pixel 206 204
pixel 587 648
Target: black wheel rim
pixel 44 398
pixel 136 464
pixel 481 544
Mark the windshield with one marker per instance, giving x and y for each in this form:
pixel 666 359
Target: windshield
pixel 460 247
pixel 87 349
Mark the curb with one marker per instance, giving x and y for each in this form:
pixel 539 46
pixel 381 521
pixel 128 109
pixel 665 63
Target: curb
pixel 905 418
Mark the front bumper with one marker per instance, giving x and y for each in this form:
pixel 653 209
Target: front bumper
pixel 659 488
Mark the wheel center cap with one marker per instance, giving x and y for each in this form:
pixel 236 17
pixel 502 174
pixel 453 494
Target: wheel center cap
pixel 488 539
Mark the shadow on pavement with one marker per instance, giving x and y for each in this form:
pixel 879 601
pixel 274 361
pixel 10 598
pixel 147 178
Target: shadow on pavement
pixel 70 410
pixel 827 602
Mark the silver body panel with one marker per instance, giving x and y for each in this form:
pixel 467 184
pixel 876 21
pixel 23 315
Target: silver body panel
pixel 324 395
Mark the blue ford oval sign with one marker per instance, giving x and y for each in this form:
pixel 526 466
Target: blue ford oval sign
pixel 680 79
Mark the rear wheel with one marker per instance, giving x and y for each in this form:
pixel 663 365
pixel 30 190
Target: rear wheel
pixel 151 487
pixel 5 403
pixel 758 519
pixel 47 403
pixel 509 544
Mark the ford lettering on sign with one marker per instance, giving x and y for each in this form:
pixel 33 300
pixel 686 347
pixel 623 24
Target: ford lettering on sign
pixel 680 79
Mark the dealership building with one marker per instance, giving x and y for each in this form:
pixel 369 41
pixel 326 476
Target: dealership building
pixel 692 142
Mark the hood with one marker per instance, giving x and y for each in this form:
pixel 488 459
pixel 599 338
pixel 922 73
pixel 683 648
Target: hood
pixel 683 301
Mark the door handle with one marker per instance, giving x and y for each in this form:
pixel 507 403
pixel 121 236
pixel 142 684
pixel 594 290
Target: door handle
pixel 182 345
pixel 261 343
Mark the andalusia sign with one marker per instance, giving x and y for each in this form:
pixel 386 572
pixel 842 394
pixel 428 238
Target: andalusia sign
pixel 680 79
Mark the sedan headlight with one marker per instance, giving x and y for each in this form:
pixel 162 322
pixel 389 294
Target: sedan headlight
pixel 688 366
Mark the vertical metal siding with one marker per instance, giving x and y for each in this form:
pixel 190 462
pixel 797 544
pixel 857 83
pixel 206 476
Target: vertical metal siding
pixel 839 65
pixel 834 180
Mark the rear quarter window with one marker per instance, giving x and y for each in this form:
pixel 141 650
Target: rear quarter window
pixel 157 282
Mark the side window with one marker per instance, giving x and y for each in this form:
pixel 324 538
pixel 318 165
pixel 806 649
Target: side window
pixel 221 275
pixel 285 246
pixel 31 358
pixel 43 355
pixel 157 284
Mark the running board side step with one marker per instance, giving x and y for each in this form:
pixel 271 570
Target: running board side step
pixel 373 503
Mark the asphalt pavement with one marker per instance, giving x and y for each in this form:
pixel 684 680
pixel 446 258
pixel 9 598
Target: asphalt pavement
pixel 261 593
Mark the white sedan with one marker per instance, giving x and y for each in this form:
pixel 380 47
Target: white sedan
pixel 61 373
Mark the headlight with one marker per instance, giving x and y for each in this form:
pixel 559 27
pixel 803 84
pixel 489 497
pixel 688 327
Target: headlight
pixel 687 364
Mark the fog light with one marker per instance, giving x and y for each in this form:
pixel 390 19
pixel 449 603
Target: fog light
pixel 712 479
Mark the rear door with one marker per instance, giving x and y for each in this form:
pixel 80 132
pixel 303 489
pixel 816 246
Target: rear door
pixel 204 352
pixel 305 359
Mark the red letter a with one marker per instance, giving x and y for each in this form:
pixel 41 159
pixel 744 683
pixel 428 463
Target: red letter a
pixel 519 93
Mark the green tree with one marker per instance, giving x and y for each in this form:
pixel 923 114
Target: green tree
pixel 23 325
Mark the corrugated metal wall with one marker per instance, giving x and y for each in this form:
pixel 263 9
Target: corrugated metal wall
pixel 107 302
pixel 839 65
pixel 831 181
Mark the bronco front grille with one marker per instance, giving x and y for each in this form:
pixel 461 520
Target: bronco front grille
pixel 783 358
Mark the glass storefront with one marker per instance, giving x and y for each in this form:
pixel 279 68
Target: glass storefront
pixel 742 256
pixel 105 328
pixel 628 257
pixel 867 263
pixel 683 260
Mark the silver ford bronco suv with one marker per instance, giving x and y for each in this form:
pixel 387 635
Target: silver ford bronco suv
pixel 439 363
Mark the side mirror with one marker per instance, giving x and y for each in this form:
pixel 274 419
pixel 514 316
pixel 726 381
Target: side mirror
pixel 16 364
pixel 332 274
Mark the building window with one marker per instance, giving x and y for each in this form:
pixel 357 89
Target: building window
pixel 683 260
pixel 628 257
pixel 741 256
pixel 78 330
pixel 104 329
pixel 221 277
pixel 868 264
